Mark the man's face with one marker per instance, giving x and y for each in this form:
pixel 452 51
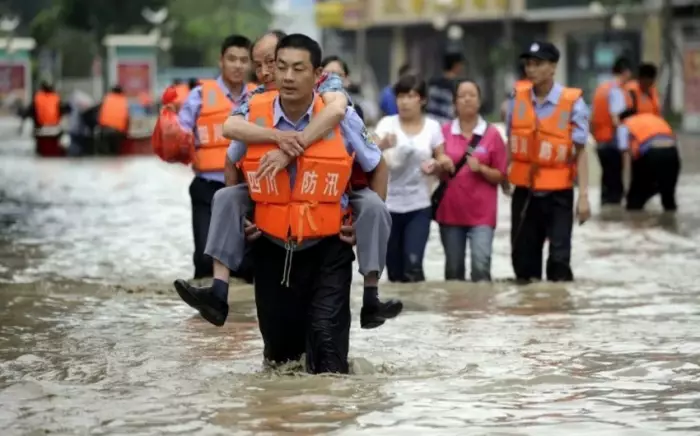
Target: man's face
pixel 539 71
pixel 235 64
pixel 295 74
pixel 264 61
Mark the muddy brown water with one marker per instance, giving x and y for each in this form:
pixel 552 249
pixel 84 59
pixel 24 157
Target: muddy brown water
pixel 93 340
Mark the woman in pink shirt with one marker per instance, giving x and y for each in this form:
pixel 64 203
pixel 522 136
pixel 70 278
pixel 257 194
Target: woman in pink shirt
pixel 469 206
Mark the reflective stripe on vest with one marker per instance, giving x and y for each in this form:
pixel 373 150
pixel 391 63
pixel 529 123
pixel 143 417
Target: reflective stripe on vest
pixel 602 127
pixel 641 102
pixel 114 112
pixel 312 209
pixel 47 109
pixel 643 127
pixel 210 154
pixel 542 149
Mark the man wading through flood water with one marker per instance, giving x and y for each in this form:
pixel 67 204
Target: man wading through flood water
pixel 303 259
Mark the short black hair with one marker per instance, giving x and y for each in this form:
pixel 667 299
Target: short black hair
pixel 460 82
pixel 239 41
pixel 117 89
pixel 177 81
pixel 193 83
pixel 450 60
pixel 405 68
pixel 302 42
pixel 279 34
pixel 410 82
pixel 621 65
pixel 647 71
pixel 333 58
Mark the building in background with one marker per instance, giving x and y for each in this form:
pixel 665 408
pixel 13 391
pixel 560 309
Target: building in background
pixel 490 33
pixel 295 16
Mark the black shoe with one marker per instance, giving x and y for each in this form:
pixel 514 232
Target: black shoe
pixel 210 307
pixel 373 316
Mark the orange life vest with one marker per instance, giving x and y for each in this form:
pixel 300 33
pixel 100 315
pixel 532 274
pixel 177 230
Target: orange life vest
pixel 542 149
pixel 602 127
pixel 641 102
pixel 522 83
pixel 47 108
pixel 643 127
pixel 114 112
pixel 313 208
pixel 216 108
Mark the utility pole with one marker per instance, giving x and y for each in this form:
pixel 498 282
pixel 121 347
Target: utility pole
pixel 361 39
pixel 668 51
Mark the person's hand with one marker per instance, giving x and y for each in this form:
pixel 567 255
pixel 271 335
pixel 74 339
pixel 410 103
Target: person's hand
pixel 446 164
pixel 347 234
pixel 583 209
pixel 474 164
pixel 251 231
pixel 429 166
pixel 291 143
pixel 272 163
pixel 507 188
pixel 387 142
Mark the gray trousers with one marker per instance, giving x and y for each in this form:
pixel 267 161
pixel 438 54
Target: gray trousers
pixel 226 239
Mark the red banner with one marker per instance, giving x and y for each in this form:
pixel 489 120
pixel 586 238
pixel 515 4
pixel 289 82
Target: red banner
pixel 134 77
pixel 691 73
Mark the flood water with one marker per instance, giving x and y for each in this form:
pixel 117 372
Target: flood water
pixel 93 340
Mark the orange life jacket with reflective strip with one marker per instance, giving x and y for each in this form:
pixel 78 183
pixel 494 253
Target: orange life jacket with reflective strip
pixel 542 150
pixel 312 209
pixel 210 154
pixel 641 102
pixel 643 127
pixel 47 108
pixel 602 127
pixel 114 112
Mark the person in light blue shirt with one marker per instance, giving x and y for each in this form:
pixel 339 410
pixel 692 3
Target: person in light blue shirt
pixel 536 215
pixel 303 290
pixel 234 63
pixel 609 103
pixel 650 149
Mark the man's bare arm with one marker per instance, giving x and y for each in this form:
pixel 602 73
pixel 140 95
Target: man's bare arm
pixel 379 179
pixel 237 128
pixel 231 176
pixel 582 169
pixel 322 124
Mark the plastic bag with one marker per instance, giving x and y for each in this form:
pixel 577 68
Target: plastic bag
pixel 170 141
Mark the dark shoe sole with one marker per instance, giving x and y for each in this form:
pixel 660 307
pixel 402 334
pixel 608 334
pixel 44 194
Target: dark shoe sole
pixel 211 315
pixel 184 293
pixel 377 319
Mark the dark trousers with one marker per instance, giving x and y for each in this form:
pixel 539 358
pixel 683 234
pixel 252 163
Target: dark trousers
pixel 656 171
pixel 312 315
pixel 110 141
pixel 201 194
pixel 407 241
pixel 534 219
pixel 611 187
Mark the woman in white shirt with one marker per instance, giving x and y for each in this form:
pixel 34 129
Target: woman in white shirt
pixel 413 147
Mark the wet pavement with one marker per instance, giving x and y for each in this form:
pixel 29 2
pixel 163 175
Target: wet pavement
pixel 94 341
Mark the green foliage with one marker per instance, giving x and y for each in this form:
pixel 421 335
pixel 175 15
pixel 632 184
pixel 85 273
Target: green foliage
pixel 203 24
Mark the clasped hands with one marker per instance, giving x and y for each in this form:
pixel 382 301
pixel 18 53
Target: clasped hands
pixel 291 145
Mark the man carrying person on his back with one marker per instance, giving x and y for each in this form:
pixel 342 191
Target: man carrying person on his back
pixel 302 257
pixel 226 237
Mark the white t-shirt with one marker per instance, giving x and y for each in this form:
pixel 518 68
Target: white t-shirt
pixel 409 189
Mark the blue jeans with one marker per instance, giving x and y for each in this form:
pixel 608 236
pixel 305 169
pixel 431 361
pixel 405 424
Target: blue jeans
pixel 409 236
pixel 454 242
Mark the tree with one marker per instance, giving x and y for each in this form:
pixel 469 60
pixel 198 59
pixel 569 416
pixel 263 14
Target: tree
pixel 203 24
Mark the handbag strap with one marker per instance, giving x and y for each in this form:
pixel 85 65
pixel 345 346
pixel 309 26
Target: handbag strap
pixel 470 149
